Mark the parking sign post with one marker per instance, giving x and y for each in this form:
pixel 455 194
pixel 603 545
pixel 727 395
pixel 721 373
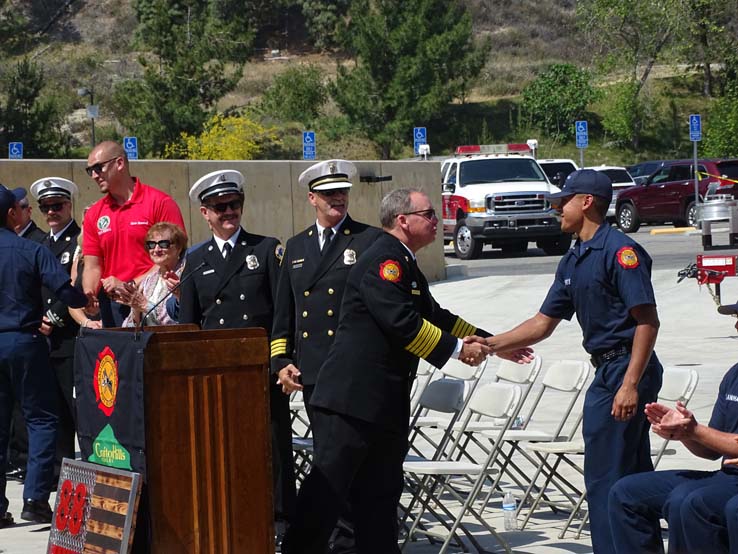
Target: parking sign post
pixel 695 135
pixel 582 133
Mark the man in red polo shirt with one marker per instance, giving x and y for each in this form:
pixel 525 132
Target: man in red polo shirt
pixel 115 227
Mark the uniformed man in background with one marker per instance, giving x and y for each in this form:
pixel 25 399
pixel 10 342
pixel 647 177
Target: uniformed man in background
pixel 54 196
pixel 314 271
pixel 25 227
pixel 25 372
pixel 234 286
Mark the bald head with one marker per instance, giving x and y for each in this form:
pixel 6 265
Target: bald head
pixel 109 149
pixel 107 164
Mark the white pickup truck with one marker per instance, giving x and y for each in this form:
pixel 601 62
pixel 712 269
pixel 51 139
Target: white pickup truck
pixel 497 194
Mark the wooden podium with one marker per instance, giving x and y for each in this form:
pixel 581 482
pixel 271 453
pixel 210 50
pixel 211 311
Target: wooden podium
pixel 208 439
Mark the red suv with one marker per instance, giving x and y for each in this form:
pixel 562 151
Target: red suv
pixel 668 195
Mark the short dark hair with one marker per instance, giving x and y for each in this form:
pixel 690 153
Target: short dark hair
pixel 601 205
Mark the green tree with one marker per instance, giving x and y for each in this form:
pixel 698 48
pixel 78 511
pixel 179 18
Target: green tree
pixel 412 59
pixel 197 58
pixel 557 97
pixel 28 117
pixel 296 94
pixel 722 129
pixel 324 20
pixel 13 28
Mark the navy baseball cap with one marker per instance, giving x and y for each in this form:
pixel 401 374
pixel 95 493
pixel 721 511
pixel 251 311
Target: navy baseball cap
pixel 728 309
pixel 585 181
pixel 19 193
pixel 7 199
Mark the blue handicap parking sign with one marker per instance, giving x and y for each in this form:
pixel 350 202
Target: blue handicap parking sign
pixel 695 127
pixel 308 145
pixel 582 134
pixel 15 150
pixel 130 144
pixel 419 137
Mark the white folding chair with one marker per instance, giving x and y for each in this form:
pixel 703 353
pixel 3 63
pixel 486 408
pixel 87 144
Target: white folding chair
pixel 493 400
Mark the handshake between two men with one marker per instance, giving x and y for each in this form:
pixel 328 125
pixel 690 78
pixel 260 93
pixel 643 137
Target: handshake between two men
pixel 475 349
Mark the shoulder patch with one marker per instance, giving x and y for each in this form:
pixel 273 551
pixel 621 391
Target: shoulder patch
pixel 390 271
pixel 279 252
pixel 628 258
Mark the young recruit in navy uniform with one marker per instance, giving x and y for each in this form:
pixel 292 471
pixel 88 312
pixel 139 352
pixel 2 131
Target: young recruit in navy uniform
pixel 54 196
pixel 233 285
pixel 314 271
pixel 25 373
pixel 701 507
pixel 606 280
pixel 361 402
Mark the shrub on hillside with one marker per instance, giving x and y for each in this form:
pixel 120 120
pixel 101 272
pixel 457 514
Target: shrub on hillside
pixel 297 94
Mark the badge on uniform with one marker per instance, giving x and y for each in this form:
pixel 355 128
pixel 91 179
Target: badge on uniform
pixel 627 257
pixel 103 223
pixel 252 262
pixel 349 257
pixel 390 271
pixel 279 253
pixel 64 258
pixel 415 290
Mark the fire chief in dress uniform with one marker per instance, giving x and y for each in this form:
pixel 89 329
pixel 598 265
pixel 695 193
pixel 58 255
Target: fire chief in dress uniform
pixel 54 196
pixel 361 402
pixel 315 267
pixel 233 285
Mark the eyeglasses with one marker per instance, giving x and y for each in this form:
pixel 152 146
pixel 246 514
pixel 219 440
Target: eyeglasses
pixel 428 214
pixel 221 207
pixel 163 244
pixel 333 192
pixel 98 167
pixel 46 208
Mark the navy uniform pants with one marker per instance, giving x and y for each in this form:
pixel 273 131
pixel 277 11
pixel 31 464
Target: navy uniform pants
pixel 699 506
pixel 613 449
pixel 25 374
pixel 356 463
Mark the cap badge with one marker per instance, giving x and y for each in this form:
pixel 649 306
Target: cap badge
pixel 628 258
pixel 349 257
pixel 332 167
pixel 222 178
pixel 390 271
pixel 252 262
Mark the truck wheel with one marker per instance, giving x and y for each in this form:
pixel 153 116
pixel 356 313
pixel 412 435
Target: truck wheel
pixel 466 247
pixel 628 219
pixel 556 246
pixel 517 247
pixel 690 215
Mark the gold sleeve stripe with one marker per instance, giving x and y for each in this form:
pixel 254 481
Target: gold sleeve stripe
pixel 463 329
pixel 425 341
pixel 278 347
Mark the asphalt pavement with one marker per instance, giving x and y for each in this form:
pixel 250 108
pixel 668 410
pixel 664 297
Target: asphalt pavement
pixel 692 334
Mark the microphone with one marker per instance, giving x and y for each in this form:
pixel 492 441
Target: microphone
pixel 167 295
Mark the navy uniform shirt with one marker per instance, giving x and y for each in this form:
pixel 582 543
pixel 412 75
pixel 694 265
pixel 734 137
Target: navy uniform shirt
pixel 725 411
pixel 601 285
pixel 26 267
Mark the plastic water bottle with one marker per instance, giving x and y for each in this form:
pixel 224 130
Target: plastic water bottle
pixel 509 507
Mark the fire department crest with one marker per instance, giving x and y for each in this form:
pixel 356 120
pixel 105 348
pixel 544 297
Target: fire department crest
pixel 105 381
pixel 390 271
pixel 628 258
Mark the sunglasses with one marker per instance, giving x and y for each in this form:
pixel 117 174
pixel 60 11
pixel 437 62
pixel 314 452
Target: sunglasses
pixel 98 167
pixel 429 214
pixel 46 208
pixel 163 244
pixel 333 192
pixel 221 207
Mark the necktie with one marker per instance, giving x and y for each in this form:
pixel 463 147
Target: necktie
pixel 327 236
pixel 227 250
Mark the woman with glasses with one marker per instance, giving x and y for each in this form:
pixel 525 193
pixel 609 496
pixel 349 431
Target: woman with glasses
pixel 166 243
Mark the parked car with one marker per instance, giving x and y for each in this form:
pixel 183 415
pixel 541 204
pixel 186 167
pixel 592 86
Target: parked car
pixel 557 170
pixel 668 194
pixel 643 170
pixel 621 180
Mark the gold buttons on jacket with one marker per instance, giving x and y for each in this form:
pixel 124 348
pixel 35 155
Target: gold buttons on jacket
pixel 331 291
pixel 305 334
pixel 330 332
pixel 304 314
pixel 245 317
pixel 330 313
pixel 306 293
pixel 242 297
pixel 221 321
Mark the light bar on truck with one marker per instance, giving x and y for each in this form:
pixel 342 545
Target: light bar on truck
pixel 518 148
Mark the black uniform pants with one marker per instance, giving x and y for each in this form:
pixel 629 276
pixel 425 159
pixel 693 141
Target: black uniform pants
pixel 358 464
pixel 283 463
pixel 64 369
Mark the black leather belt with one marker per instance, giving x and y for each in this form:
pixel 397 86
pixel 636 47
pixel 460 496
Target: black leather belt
pixel 617 352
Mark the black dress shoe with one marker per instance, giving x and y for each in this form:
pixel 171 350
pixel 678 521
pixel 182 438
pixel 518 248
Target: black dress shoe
pixel 37 511
pixel 6 520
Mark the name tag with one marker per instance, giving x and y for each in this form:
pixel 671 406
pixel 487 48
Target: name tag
pixel 416 292
pixel 567 282
pixel 208 272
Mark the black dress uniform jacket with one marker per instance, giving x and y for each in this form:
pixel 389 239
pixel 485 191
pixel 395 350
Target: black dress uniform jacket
pixel 309 295
pixel 33 233
pixel 62 338
pixel 235 293
pixel 388 321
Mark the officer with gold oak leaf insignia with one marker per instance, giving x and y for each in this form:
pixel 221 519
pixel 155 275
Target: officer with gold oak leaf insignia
pixel 234 286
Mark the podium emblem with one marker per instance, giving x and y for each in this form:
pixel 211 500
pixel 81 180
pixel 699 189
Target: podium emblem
pixel 106 381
